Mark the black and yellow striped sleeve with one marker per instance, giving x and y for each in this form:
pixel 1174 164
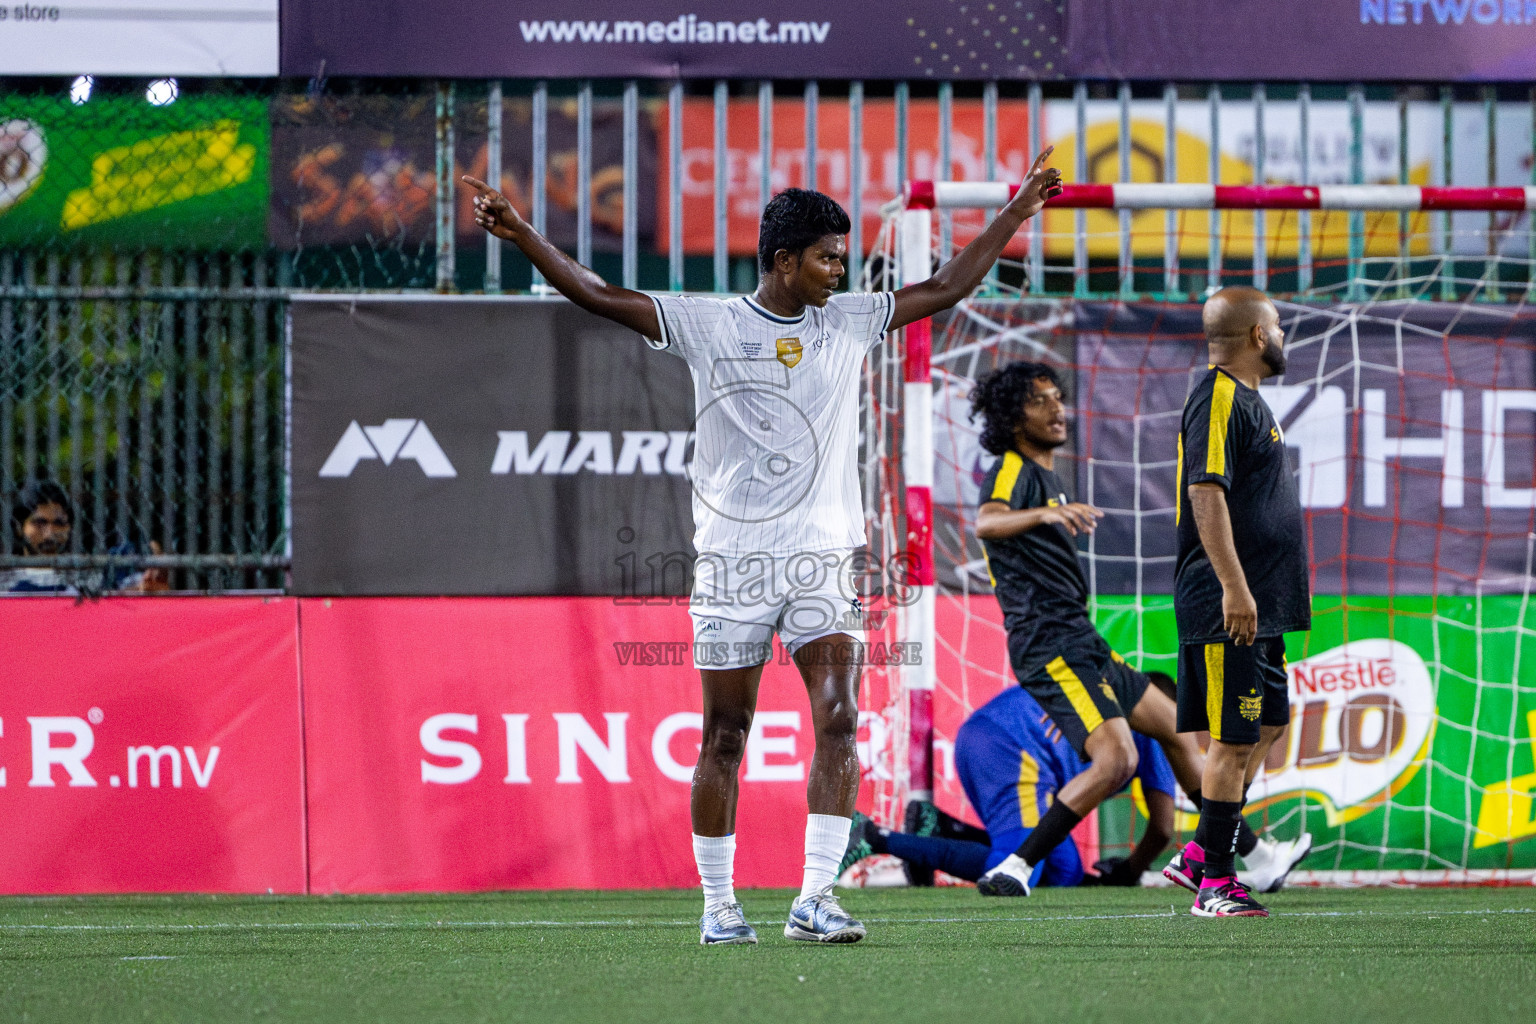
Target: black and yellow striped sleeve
pixel 1208 441
pixel 1002 480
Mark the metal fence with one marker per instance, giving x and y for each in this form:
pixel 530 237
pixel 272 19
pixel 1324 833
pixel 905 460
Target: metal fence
pixel 146 249
pixel 150 388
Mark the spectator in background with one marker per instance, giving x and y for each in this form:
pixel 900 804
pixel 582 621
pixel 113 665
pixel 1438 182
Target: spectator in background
pixel 43 519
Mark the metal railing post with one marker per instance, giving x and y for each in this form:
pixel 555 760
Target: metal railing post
pixel 1356 287
pixel 540 170
pixel 722 187
pixel 1260 145
pixel 631 240
pixel 493 178
pixel 675 186
pixel 584 174
pixel 444 197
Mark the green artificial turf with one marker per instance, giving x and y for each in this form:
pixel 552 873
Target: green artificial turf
pixel 1127 956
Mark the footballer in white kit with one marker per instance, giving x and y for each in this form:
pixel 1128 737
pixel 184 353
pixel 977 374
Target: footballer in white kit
pixel 778 520
pixel 777 514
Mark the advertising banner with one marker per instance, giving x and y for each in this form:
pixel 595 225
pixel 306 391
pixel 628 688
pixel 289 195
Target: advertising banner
pixel 834 166
pixel 485 446
pixel 1408 748
pixel 468 744
pixel 150 745
pixel 1410 745
pixel 128 37
pixel 154 744
pixel 1167 40
pixel 706 39
pixel 1329 40
pixel 116 170
pixel 358 170
pixel 1413 441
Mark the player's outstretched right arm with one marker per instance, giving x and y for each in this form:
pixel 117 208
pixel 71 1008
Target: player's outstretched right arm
pixel 632 309
pixel 960 276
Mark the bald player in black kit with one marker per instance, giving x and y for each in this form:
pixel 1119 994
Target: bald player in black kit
pixel 1241 580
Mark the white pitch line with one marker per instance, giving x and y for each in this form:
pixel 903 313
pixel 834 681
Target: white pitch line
pixel 484 925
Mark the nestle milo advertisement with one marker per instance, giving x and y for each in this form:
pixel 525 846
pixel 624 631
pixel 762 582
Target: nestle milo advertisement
pixel 1413 724
pixel 116 169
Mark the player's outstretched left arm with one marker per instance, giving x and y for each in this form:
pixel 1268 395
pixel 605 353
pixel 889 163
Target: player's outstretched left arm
pixel 960 276
pixel 632 309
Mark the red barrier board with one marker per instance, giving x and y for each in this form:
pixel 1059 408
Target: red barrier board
pixel 527 743
pixel 150 745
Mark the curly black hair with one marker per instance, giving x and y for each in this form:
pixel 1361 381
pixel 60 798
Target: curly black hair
pixel 998 398
pixel 797 218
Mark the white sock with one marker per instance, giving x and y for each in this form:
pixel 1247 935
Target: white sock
pixel 716 858
pixel 826 839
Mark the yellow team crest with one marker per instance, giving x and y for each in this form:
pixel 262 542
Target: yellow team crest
pixel 789 351
pixel 1249 707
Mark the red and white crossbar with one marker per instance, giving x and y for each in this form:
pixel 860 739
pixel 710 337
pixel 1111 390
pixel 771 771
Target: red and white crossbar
pixel 929 195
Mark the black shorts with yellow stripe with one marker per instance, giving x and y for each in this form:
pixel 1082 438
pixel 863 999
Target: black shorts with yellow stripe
pixel 1230 691
pixel 1083 687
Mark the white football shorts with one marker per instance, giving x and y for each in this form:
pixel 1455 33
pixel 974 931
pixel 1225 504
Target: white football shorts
pixel 739 603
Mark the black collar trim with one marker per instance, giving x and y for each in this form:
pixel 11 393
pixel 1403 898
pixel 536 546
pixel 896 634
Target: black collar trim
pixel 760 311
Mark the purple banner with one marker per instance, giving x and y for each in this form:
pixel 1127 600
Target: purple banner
pixel 1337 40
pixel 1412 427
pixel 694 39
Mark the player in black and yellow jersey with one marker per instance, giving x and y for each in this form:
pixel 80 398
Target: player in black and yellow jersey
pixel 1028 525
pixel 1240 581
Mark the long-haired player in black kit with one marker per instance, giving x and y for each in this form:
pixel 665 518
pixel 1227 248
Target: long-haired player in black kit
pixel 1029 526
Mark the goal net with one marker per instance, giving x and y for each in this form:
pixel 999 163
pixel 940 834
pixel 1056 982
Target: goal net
pixel 1409 409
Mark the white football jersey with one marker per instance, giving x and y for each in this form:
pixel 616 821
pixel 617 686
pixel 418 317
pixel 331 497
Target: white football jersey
pixel 776 418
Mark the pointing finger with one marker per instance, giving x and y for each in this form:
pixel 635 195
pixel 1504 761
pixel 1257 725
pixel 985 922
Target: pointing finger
pixel 475 183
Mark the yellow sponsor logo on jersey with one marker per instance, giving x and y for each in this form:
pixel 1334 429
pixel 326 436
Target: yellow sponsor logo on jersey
pixel 1274 434
pixel 789 351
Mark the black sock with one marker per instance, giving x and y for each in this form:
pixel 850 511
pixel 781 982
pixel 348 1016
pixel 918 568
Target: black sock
pixel 1058 822
pixel 1219 820
pixel 1194 798
pixel 1247 839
